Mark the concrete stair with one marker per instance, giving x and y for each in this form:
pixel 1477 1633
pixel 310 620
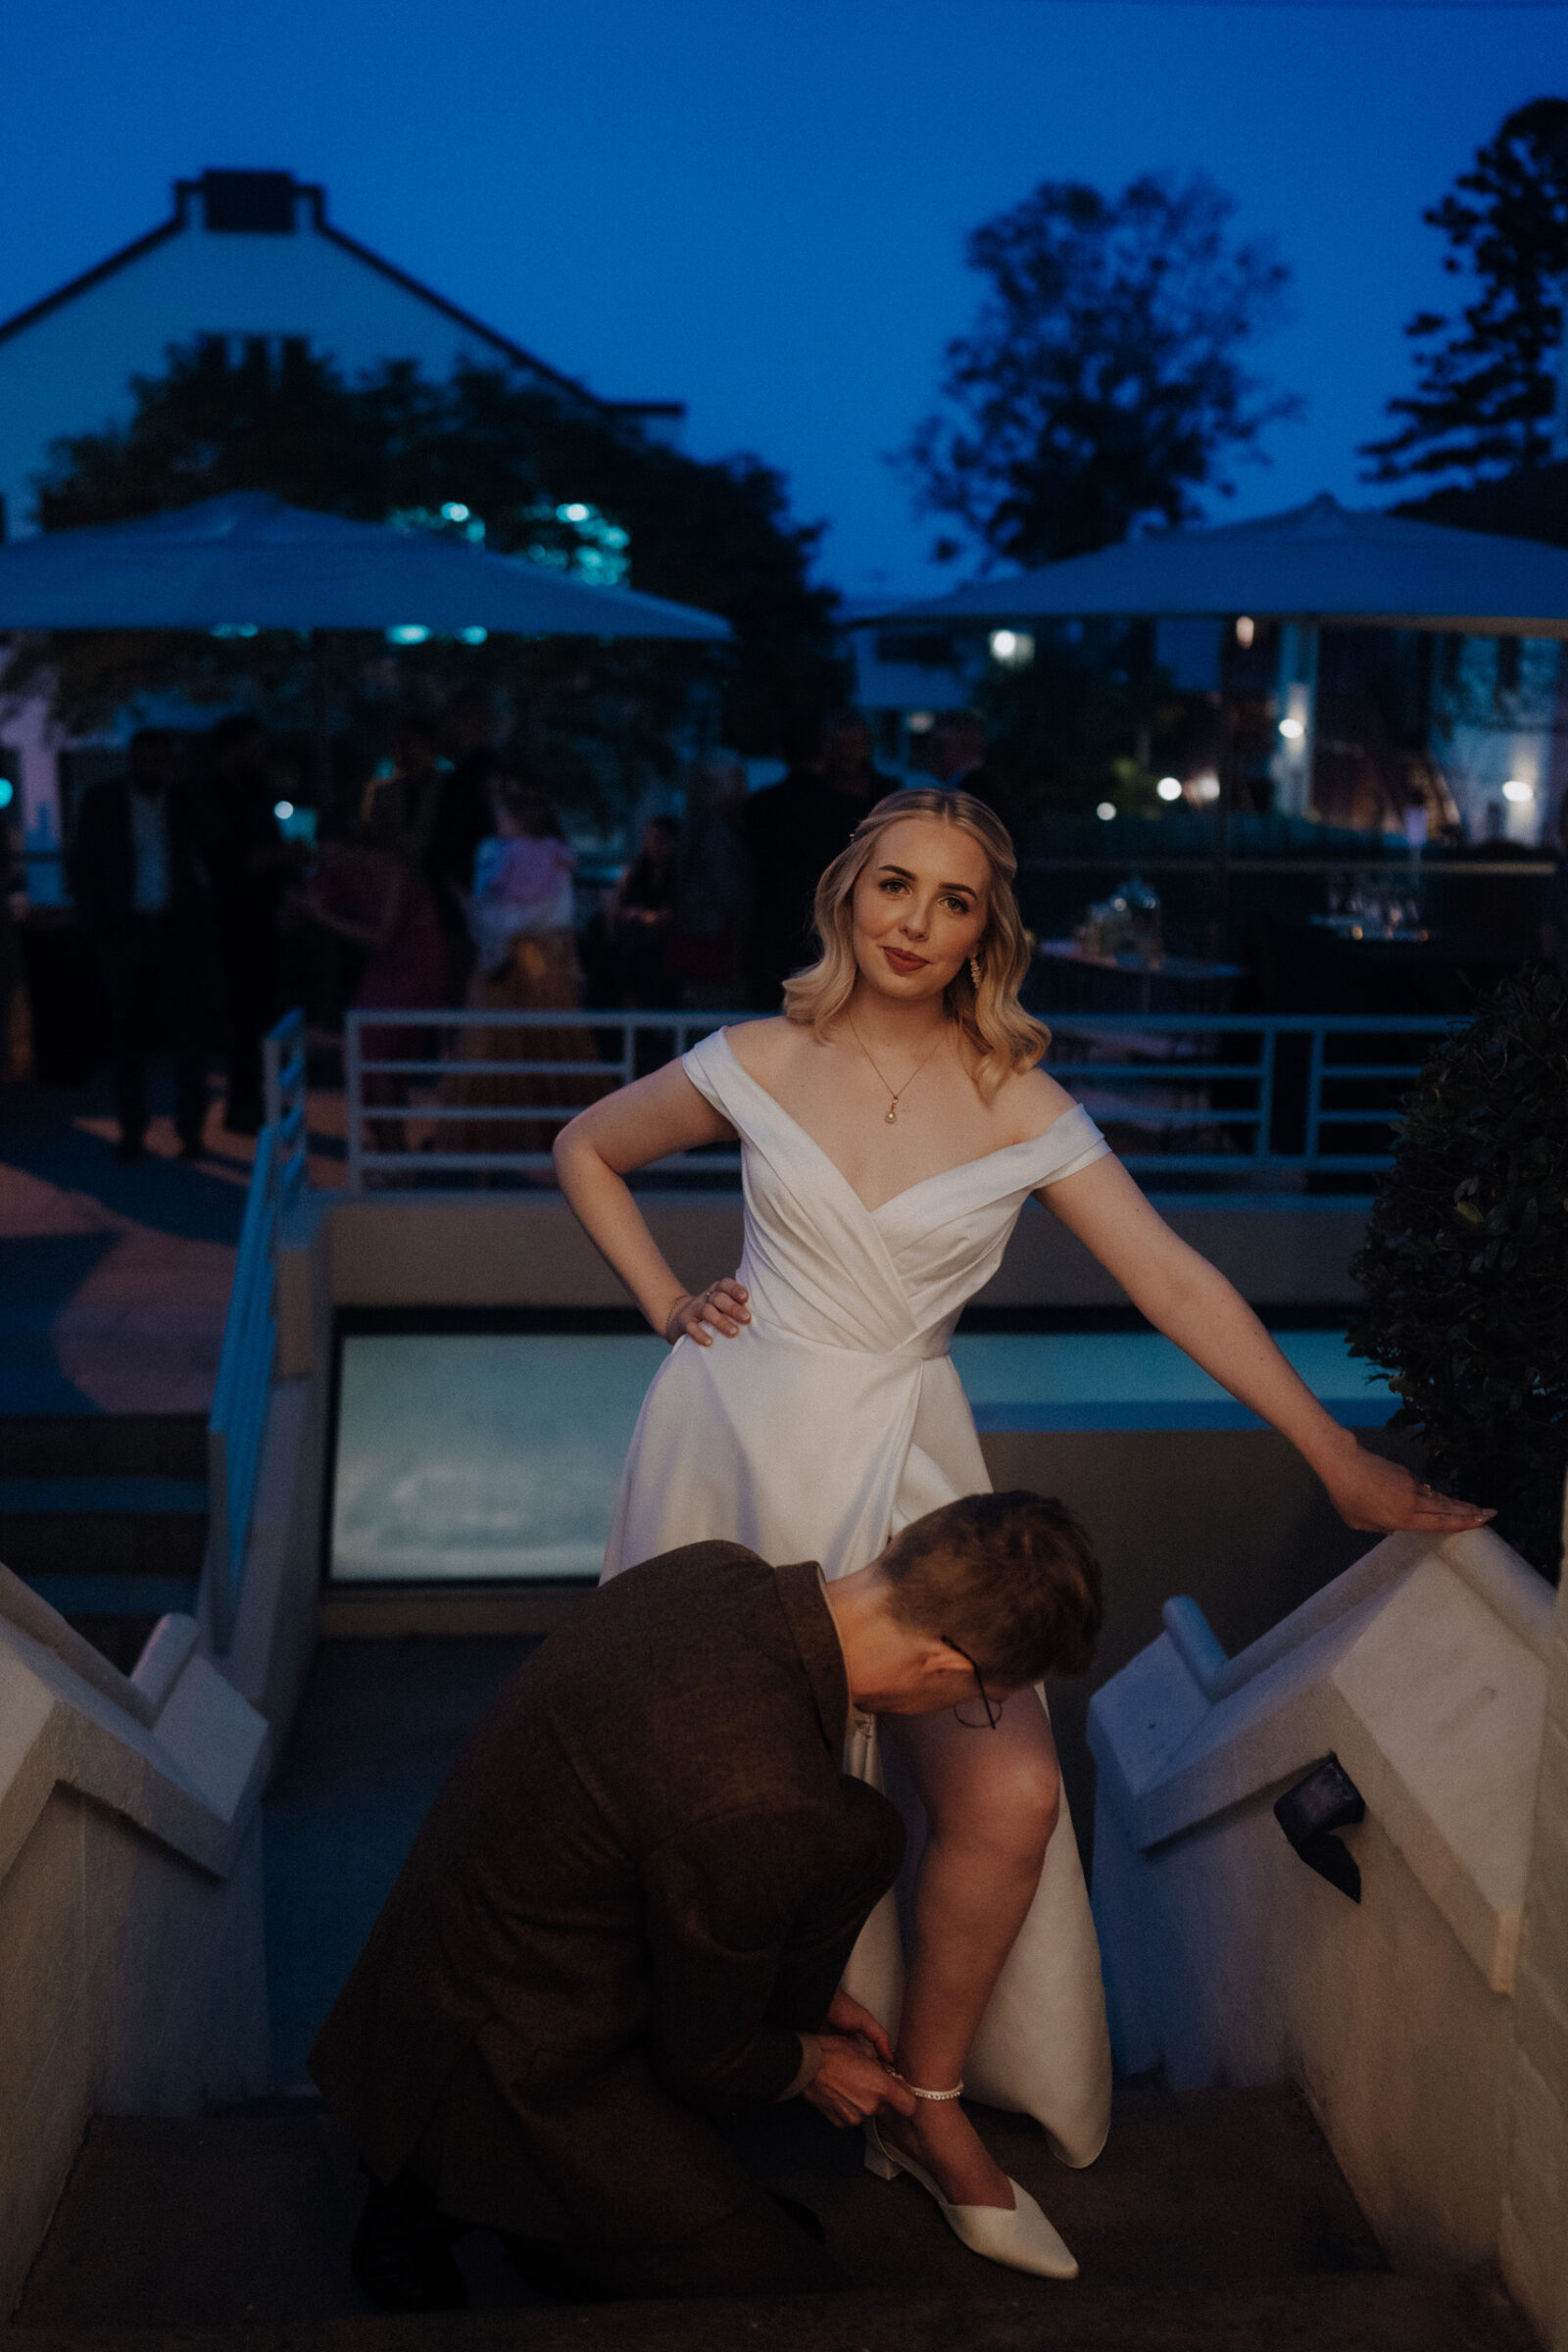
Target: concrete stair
pixel 105 1515
pixel 1215 2220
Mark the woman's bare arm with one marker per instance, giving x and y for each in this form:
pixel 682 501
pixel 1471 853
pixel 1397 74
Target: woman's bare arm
pixel 595 1153
pixel 1192 1302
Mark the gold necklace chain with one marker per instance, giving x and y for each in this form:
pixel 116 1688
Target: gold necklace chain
pixel 894 1093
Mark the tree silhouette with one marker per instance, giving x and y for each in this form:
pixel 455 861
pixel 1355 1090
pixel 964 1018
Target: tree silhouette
pixel 1483 403
pixel 394 444
pixel 1100 386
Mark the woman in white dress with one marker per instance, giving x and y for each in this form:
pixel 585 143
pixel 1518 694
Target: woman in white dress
pixel 891 1125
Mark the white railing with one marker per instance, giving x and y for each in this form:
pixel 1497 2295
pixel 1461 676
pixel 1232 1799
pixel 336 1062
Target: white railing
pixel 241 1394
pixel 390 1093
pixel 1180 1093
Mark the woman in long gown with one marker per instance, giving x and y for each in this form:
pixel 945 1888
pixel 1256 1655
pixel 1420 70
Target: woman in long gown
pixel 891 1125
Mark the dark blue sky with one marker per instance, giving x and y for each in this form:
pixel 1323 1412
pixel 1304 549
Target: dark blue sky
pixel 758 205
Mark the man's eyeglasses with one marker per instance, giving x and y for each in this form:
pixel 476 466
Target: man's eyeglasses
pixel 981 1714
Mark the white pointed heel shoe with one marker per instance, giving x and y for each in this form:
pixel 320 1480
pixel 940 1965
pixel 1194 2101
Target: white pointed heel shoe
pixel 1021 2240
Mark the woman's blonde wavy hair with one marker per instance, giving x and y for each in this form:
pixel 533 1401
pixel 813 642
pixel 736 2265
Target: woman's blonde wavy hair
pixel 991 1016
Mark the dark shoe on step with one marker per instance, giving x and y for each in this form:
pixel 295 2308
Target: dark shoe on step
pixel 401 2253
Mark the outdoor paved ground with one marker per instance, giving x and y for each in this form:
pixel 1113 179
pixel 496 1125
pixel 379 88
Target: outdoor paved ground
pixel 114 1281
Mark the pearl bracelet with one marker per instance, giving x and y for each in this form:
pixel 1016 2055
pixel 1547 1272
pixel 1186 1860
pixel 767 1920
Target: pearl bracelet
pixel 956 2092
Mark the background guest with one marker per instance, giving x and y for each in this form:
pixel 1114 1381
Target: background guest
pixel 250 865
pixel 793 831
pixel 463 816
pixel 643 918
pixel 1554 897
pixel 371 890
pixel 520 918
pixel 954 754
pixel 711 887
pixel 144 889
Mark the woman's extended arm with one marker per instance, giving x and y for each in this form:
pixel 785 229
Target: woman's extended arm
pixel 1192 1302
pixel 594 1154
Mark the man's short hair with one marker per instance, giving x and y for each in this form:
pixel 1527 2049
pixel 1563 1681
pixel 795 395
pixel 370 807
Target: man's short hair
pixel 1010 1579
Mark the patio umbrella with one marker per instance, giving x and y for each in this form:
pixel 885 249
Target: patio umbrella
pixel 1321 563
pixel 251 562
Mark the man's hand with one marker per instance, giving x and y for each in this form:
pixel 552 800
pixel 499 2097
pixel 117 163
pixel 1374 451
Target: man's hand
pixel 851 2085
pixel 845 2015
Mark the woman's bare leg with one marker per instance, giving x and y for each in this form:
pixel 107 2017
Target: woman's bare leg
pixel 991 1799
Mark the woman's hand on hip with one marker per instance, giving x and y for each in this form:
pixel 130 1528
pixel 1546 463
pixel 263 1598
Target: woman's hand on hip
pixel 1383 1498
pixel 697 1315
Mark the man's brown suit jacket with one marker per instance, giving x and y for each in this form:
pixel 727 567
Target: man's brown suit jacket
pixel 647 1851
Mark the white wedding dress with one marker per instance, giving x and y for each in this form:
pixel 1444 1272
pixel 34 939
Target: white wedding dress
pixel 834 1419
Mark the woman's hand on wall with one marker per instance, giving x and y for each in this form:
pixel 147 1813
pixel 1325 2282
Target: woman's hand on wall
pixel 1382 1498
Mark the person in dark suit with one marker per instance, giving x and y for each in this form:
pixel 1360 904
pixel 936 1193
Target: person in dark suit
pixel 252 867
pixel 628 1910
pixel 792 832
pixel 144 889
pixel 954 755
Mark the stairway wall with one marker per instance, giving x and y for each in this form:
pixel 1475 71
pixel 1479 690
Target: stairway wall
pixel 131 1954
pixel 1423 1669
pixel 1535 2214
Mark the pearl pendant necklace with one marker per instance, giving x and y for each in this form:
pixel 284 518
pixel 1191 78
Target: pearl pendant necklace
pixel 890 1117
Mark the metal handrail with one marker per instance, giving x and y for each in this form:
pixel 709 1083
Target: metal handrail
pixel 1239 1052
pixel 237 1423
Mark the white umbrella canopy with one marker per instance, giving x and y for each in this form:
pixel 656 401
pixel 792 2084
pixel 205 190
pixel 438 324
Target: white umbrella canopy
pixel 250 561
pixel 1319 563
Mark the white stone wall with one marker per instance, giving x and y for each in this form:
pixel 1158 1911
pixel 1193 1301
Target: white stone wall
pixel 1535 2215
pixel 131 1958
pixel 1227 1959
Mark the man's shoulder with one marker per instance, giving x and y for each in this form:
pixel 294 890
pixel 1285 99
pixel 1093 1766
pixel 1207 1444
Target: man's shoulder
pixel 732 1564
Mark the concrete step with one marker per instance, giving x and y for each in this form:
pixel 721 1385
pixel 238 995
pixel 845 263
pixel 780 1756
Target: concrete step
pixel 105 1516
pixel 1219 2219
pixel 103 1446
pixel 1360 2313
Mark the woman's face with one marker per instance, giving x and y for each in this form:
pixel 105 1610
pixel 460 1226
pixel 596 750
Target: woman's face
pixel 919 909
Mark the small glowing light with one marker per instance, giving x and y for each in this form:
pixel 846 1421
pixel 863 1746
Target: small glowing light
pixel 1245 629
pixel 474 636
pixel 1169 788
pixel 1014 649
pixel 576 513
pixel 455 511
pixel 1004 644
pixel 920 722
pixel 1106 809
pixel 8 792
pixel 282 811
pixel 1293 729
pixel 408 632
pixel 1516 789
pixel 1204 787
pixel 234 628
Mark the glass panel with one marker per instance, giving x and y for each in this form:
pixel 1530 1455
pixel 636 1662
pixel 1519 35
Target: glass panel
pixel 482 1457
pixel 494 1457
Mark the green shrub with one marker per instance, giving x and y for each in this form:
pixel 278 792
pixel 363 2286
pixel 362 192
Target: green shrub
pixel 1465 1265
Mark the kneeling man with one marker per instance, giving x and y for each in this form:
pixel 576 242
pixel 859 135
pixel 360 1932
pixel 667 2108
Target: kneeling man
pixel 628 1910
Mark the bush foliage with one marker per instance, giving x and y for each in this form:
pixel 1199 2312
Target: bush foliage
pixel 1465 1265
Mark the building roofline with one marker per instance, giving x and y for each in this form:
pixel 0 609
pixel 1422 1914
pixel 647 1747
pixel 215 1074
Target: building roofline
pixel 514 352
pixel 180 220
pixel 93 277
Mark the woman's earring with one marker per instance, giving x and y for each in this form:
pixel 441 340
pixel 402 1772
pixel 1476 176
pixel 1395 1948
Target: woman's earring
pixel 974 972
